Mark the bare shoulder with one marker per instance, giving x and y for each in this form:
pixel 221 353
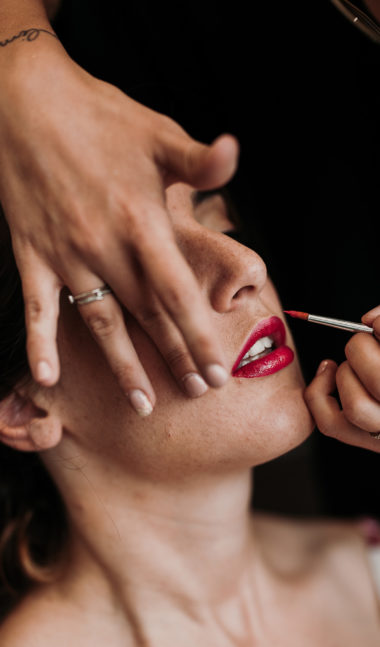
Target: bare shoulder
pixel 307 536
pixel 324 549
pixel 46 618
pixel 34 622
pixel 322 570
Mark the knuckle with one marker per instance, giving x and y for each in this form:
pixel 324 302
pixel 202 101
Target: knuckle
pixel 167 124
pixel 125 210
pixel 85 238
pixel 175 299
pixel 139 232
pixel 33 308
pixel 90 244
pixel 152 239
pixel 176 356
pixel 101 324
pixel 322 423
pixel 151 317
pixel 358 414
pixel 329 425
pixel 76 218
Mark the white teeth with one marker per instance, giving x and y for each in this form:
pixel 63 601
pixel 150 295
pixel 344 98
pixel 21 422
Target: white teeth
pixel 258 349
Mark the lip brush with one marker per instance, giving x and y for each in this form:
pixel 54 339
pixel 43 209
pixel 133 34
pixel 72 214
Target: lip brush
pixel 350 326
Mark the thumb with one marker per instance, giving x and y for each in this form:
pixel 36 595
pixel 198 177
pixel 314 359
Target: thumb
pixel 204 167
pixel 328 416
pixel 323 406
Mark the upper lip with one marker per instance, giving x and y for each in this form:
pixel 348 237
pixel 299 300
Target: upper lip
pixel 271 325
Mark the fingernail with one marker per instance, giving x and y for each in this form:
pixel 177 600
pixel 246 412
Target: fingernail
pixel 322 367
pixel 216 375
pixel 140 402
pixel 194 385
pixel 43 372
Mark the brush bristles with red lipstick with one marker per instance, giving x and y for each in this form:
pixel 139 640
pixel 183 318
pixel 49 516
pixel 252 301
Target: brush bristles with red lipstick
pixel 350 326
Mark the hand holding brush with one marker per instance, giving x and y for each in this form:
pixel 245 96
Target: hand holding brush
pixel 358 383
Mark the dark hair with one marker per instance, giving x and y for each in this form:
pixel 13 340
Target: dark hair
pixel 32 515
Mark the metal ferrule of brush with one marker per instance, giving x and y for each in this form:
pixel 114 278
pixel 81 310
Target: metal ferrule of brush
pixel 340 323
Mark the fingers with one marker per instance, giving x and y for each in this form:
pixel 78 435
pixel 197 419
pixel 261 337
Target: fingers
pixel 363 354
pixel 372 318
pixel 369 316
pixel 324 408
pixel 330 419
pixel 184 302
pixel 167 302
pixel 106 323
pixel 359 407
pixel 178 331
pixel 202 166
pixel 41 289
pixel 172 347
pixel 215 166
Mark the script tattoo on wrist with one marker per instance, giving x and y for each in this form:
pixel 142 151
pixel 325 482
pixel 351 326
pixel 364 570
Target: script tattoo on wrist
pixel 26 34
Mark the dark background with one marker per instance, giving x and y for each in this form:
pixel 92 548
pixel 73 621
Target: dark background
pixel 299 86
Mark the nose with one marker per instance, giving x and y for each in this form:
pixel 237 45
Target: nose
pixel 229 272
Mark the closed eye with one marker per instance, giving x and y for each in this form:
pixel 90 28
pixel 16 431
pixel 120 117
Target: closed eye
pixel 215 210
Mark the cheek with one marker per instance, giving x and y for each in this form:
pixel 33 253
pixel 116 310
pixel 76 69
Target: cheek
pixel 87 392
pixel 247 422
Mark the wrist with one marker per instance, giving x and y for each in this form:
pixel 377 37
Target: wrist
pixel 23 27
pixel 25 50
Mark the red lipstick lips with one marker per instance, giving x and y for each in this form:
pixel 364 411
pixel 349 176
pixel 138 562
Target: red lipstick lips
pixel 275 360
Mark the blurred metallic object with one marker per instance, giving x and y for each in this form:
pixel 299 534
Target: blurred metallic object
pixel 360 17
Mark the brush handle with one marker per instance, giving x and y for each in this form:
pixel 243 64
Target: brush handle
pixel 350 326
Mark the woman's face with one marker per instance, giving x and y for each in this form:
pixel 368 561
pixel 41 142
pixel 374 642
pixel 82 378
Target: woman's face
pixel 248 421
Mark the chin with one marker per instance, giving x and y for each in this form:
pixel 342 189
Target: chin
pixel 269 422
pixel 286 434
pixel 245 423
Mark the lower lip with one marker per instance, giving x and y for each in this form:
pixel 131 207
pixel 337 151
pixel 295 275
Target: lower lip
pixel 276 360
pixel 271 363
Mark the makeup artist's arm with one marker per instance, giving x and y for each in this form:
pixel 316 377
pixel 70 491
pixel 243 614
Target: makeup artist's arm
pixel 83 172
pixel 357 381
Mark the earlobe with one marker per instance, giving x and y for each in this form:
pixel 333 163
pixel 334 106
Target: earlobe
pixel 25 427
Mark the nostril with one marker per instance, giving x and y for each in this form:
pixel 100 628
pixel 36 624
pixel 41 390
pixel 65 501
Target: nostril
pixel 243 291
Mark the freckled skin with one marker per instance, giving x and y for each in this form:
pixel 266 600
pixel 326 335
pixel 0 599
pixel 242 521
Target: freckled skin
pixel 247 422
pixel 160 505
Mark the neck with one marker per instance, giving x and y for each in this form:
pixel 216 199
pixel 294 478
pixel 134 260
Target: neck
pixel 155 547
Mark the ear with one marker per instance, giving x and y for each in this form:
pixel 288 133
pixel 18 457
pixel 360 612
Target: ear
pixel 25 427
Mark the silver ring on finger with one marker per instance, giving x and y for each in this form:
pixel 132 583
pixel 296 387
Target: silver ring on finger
pixel 83 298
pixel 375 434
